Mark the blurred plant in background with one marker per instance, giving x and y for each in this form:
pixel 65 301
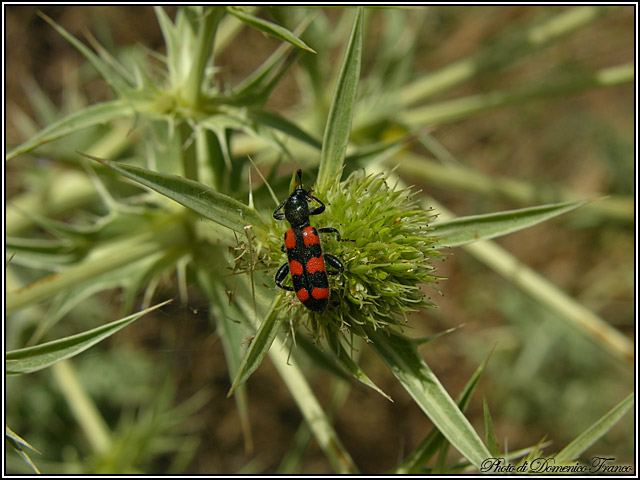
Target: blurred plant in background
pixel 353 98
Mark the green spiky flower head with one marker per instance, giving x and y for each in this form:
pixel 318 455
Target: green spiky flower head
pixel 385 248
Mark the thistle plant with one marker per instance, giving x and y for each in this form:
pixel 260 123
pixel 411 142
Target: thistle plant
pixel 174 183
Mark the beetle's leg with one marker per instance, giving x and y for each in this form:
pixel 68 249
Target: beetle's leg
pixel 280 216
pixel 283 271
pixel 330 230
pixel 282 248
pixel 333 230
pixel 317 210
pixel 335 263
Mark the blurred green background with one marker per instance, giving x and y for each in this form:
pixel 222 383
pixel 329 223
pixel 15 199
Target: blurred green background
pixel 543 381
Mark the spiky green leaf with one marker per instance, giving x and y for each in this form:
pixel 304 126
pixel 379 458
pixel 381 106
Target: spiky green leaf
pixel 260 345
pixel 350 365
pixel 460 231
pixel 112 76
pixel 490 434
pixel 215 206
pixel 269 28
pixel 338 127
pixel 435 441
pixel 594 432
pixel 19 445
pixel 32 359
pixel 87 117
pixel 402 357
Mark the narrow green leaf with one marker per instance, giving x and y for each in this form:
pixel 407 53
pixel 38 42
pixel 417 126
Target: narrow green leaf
pixel 377 151
pixel 291 374
pixel 514 45
pixel 430 338
pixel 447 111
pixel 218 207
pixel 231 333
pixel 338 128
pixel 258 93
pixel 88 117
pixel 447 173
pixel 117 82
pixel 594 432
pixel 401 356
pixel 17 443
pixel 570 310
pixel 260 345
pixel 316 417
pixel 263 74
pixel 490 434
pixel 352 367
pixel 17 439
pixel 269 28
pixel 32 359
pixel 131 277
pixel 256 88
pixel 435 440
pixel 171 42
pixel 43 253
pixel 285 126
pixel 320 358
pixel 72 234
pixel 43 107
pixel 108 257
pixel 207 26
pixel 229 29
pixel 460 231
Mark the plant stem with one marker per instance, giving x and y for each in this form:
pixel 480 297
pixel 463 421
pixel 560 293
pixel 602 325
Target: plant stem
pixel 83 408
pixel 452 110
pixel 204 49
pixel 458 72
pixel 188 151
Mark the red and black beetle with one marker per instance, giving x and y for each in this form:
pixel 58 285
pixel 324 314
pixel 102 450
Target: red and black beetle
pixel 302 244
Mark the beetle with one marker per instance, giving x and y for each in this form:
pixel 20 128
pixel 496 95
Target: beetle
pixel 306 262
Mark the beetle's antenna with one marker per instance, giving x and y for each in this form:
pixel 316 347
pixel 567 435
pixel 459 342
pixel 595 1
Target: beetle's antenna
pixel 273 195
pixel 299 172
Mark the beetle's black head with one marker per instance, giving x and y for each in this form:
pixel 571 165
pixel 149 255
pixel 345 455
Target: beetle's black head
pixel 296 210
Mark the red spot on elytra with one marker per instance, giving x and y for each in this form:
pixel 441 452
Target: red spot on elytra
pixel 290 239
pixel 295 267
pixel 319 293
pixel 310 238
pixel 303 295
pixel 315 264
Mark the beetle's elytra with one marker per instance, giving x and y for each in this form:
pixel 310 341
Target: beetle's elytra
pixel 306 262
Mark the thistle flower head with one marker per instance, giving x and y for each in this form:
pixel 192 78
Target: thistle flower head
pixel 386 250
